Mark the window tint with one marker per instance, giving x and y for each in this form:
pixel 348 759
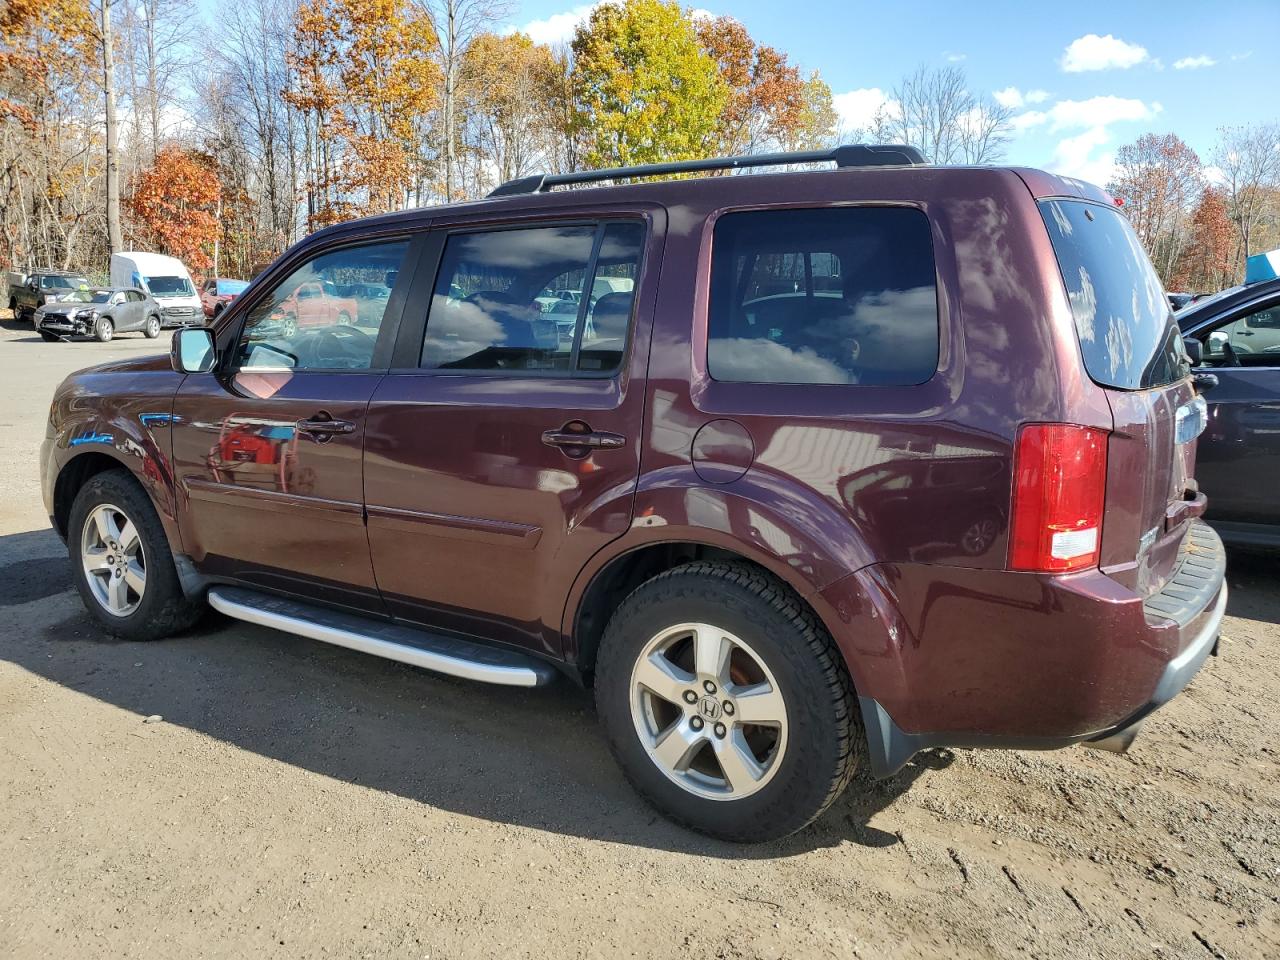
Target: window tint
pixel 535 300
pixel 823 296
pixel 304 323
pixel 1127 333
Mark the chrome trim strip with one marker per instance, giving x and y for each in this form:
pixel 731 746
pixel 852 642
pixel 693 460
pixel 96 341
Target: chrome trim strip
pixel 511 676
pixel 1179 671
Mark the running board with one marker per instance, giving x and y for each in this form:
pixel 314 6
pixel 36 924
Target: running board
pixel 384 638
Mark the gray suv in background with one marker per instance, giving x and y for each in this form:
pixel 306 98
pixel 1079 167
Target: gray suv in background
pixel 101 312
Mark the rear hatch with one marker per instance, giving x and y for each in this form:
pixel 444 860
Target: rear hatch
pixel 1131 347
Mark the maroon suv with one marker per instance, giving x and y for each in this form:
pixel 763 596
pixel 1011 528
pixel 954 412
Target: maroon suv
pixel 803 471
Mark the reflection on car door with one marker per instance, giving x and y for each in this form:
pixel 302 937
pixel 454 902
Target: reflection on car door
pixel 479 506
pixel 268 450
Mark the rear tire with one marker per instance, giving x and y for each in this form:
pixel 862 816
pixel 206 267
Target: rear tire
pixel 131 531
pixel 152 329
pixel 104 330
pixel 703 763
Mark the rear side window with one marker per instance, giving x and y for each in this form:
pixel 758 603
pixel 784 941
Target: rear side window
pixel 1128 337
pixel 537 300
pixel 841 295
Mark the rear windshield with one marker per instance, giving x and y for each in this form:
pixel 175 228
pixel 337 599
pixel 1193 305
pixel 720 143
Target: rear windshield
pixel 1127 332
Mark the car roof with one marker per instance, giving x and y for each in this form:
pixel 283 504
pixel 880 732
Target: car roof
pixel 1202 310
pixel 896 179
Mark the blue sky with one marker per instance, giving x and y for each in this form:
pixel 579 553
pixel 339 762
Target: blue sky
pixel 1084 77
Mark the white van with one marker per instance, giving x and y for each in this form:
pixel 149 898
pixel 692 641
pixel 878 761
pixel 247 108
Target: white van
pixel 166 279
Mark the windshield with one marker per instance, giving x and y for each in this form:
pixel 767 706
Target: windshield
pixel 63 283
pixel 1128 337
pixel 170 287
pixel 89 296
pixel 231 288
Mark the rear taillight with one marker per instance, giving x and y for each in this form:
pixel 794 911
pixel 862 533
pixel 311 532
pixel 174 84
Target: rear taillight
pixel 1059 491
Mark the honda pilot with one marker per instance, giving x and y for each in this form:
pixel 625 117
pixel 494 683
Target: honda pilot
pixel 802 472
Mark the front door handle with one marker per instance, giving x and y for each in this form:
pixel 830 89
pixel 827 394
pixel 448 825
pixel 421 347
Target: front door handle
pixel 322 427
pixel 577 439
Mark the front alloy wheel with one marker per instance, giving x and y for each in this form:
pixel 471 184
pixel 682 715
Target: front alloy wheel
pixel 708 711
pixel 114 561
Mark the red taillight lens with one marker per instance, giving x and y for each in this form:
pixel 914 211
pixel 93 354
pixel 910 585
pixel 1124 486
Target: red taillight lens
pixel 1059 490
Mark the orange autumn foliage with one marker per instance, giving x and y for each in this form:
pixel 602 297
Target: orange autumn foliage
pixel 174 205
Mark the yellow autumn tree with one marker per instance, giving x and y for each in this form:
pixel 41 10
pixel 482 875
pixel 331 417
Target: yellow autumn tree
pixel 365 76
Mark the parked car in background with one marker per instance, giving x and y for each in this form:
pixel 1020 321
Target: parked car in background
pixel 216 294
pixel 165 279
pixel 1239 459
pixel 312 304
pixel 894 457
pixel 100 312
pixel 41 287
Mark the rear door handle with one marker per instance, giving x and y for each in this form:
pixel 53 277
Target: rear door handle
pixel 578 438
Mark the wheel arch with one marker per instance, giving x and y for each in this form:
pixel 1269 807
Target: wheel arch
pixel 610 578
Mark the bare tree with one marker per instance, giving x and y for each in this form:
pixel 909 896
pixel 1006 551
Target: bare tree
pixel 1249 158
pixel 457 23
pixel 114 236
pixel 934 110
pixel 1160 179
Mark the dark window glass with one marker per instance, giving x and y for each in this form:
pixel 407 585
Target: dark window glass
pixel 823 296
pixel 1127 333
pixel 526 300
pixel 305 323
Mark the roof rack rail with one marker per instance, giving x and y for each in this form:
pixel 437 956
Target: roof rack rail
pixel 849 155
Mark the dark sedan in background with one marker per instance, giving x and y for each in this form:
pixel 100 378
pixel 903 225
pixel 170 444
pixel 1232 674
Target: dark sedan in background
pixel 1238 464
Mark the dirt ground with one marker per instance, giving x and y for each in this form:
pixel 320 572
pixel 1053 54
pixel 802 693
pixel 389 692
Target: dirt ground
pixel 299 800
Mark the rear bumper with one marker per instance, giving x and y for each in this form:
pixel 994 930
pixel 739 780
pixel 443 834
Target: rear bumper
pixel 968 658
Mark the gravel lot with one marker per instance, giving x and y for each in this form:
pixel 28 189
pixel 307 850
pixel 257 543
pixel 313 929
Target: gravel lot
pixel 298 800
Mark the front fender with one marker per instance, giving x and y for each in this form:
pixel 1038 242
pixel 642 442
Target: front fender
pixel 132 426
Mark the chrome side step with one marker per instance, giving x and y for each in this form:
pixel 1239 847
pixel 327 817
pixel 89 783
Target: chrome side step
pixel 383 638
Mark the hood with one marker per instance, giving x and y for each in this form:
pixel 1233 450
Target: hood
pixel 133 365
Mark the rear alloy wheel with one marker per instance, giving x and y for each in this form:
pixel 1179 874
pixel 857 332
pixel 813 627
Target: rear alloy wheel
pixel 152 329
pixel 344 319
pixel 726 702
pixel 708 711
pixel 104 330
pixel 121 561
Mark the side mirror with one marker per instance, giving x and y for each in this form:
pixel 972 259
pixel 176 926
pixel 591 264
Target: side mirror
pixel 1195 350
pixel 192 350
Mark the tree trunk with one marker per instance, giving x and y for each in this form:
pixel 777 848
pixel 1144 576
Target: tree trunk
pixel 450 95
pixel 114 238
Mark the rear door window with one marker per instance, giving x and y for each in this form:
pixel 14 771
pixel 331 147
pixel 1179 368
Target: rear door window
pixel 549 300
pixel 1128 337
pixel 837 296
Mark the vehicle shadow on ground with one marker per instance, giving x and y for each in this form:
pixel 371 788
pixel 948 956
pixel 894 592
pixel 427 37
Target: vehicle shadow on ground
pixel 534 758
pixel 8 323
pixel 1248 572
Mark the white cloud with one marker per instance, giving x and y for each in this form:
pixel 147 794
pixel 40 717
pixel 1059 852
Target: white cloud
pixel 858 108
pixel 1014 98
pixel 559 27
pixel 1242 56
pixel 1092 52
pixel 1025 121
pixel 1084 157
pixel 1194 63
pixel 955 57
pixel 1098 112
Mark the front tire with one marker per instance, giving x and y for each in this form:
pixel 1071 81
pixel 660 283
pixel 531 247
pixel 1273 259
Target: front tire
pixel 104 330
pixel 726 703
pixel 121 562
pixel 152 329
